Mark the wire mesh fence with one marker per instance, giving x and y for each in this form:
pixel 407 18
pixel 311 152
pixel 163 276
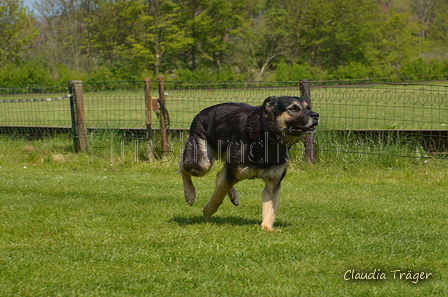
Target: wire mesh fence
pixel 408 120
pixel 117 105
pixel 186 99
pixel 382 106
pixel 27 107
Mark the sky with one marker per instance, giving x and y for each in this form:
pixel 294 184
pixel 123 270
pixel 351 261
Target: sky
pixel 29 3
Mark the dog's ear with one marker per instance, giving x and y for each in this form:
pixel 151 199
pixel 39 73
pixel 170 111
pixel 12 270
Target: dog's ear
pixel 269 104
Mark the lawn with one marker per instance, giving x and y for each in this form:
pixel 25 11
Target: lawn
pixel 87 225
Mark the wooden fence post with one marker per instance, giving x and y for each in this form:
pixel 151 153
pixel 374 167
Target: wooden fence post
pixel 148 108
pixel 305 92
pixel 161 85
pixel 78 116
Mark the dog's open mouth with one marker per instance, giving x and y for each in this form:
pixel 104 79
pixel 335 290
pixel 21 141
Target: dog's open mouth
pixel 303 130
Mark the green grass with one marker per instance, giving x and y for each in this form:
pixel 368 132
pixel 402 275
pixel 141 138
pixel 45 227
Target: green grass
pixel 98 225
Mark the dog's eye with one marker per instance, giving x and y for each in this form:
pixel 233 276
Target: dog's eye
pixel 294 108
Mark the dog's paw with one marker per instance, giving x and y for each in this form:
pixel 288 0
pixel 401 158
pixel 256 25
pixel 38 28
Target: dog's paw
pixel 207 214
pixel 270 229
pixel 234 196
pixel 190 197
pixel 267 228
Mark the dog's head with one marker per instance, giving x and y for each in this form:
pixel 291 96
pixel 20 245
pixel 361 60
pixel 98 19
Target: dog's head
pixel 290 115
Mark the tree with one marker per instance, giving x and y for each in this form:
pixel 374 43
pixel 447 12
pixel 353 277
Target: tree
pixel 423 12
pixel 169 36
pixel 215 39
pixel 18 29
pixel 337 32
pixel 396 38
pixel 210 24
pixel 62 32
pixel 138 35
pixel 268 38
pixel 118 37
pixel 438 28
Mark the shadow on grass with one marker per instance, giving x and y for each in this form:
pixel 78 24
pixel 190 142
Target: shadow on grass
pixel 235 221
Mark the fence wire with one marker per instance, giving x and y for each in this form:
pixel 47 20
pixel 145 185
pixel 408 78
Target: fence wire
pixel 408 120
pixel 392 119
pixel 382 106
pixel 186 99
pixel 115 105
pixel 29 107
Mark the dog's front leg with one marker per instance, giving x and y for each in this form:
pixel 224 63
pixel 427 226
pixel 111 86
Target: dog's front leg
pixel 270 197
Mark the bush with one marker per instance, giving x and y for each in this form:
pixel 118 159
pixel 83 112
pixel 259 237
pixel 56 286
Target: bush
pixel 295 72
pixel 415 68
pixel 383 72
pixel 207 74
pixel 32 72
pixel 35 72
pixel 354 70
pixel 62 74
pixel 438 68
pixel 98 74
pixel 419 68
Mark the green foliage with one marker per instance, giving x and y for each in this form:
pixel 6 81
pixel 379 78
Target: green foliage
pixel 226 40
pixel 207 74
pixel 295 72
pixel 354 70
pixel 396 39
pixel 170 37
pixel 37 71
pixel 422 69
pixel 62 74
pixel 438 28
pixel 32 72
pixel 209 24
pixel 415 67
pixel 109 36
pixel 17 29
pixel 338 32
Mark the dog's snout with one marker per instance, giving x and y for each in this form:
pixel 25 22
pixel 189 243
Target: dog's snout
pixel 314 115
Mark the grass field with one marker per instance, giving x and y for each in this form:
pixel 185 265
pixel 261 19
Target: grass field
pixel 88 225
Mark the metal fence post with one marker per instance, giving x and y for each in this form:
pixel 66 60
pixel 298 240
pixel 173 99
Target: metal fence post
pixel 78 116
pixel 305 92
pixel 148 108
pixel 161 85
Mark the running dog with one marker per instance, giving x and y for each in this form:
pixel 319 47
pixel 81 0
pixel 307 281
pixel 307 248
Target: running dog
pixel 252 142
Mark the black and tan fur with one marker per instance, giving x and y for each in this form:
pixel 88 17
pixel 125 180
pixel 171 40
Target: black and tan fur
pixel 252 142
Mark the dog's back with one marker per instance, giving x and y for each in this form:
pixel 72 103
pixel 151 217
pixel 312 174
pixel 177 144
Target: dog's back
pixel 226 121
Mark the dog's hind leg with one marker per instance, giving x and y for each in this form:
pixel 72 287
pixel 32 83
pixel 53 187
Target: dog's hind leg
pixel 234 196
pixel 195 162
pixel 189 190
pixel 223 187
